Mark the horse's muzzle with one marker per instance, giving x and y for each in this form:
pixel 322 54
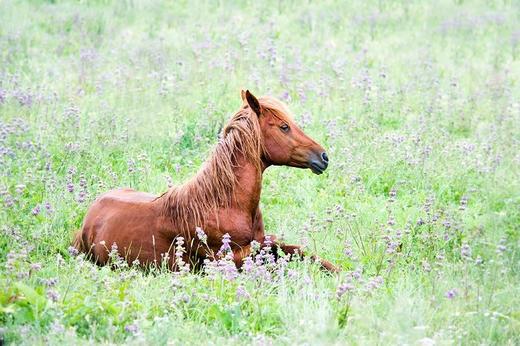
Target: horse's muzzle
pixel 319 163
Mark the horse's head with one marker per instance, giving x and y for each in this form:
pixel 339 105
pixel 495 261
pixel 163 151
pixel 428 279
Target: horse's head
pixel 284 142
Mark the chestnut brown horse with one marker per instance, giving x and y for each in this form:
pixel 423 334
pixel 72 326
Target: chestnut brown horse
pixel 223 197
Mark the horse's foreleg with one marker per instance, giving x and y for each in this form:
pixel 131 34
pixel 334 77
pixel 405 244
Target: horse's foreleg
pixel 240 254
pixel 296 251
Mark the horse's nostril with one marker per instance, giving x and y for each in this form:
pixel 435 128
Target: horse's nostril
pixel 324 157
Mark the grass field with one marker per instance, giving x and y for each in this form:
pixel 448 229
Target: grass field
pixel 416 102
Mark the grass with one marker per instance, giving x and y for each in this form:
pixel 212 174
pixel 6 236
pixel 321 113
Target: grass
pixel 415 101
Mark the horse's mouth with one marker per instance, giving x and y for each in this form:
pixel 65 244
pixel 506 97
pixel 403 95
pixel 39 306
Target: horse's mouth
pixel 317 168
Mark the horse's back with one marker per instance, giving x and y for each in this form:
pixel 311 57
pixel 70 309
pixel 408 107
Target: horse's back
pixel 127 196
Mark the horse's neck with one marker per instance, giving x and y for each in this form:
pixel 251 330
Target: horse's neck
pixel 248 187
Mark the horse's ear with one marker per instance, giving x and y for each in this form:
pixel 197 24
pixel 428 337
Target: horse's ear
pixel 253 103
pixel 243 95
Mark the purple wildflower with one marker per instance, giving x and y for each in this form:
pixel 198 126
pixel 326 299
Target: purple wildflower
pixel 201 235
pixel 450 294
pixel 501 248
pixel 463 203
pixel 226 239
pixel 53 295
pixel 73 251
pixel 72 170
pixel 36 210
pixel 36 267
pixel 57 328
pixel 242 294
pixel 3 95
pixel 82 196
pixel 465 251
pixel 348 250
pixel 375 283
pixel 132 329
pixel 83 182
pixel 356 274
pixel 344 288
pixel 49 282
pixel 48 207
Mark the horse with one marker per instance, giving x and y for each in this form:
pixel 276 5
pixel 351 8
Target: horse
pixel 222 199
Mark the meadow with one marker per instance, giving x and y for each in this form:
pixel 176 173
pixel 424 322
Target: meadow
pixel 416 102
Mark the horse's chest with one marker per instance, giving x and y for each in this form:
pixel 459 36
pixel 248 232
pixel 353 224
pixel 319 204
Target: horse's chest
pixel 237 223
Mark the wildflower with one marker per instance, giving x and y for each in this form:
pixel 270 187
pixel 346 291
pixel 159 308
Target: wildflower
pixel 255 246
pixel 3 95
pixel 479 260
pixel 344 288
pixel 248 265
pixel 226 239
pixel 53 295
pixel 426 266
pixel 70 187
pixel 227 267
pixel 201 235
pixel 375 283
pixel 501 248
pixel 450 294
pixel 356 274
pixel 73 251
pixel 48 207
pixel 348 249
pixel 185 299
pixel 426 342
pixel 20 188
pixel 182 266
pixel 131 166
pixel 36 267
pixel 49 282
pixel 391 247
pixel 83 182
pixel 292 274
pixel 242 294
pixel 82 196
pixel 465 251
pixel 165 258
pixel 463 203
pixel 36 210
pixel 56 327
pixel 132 329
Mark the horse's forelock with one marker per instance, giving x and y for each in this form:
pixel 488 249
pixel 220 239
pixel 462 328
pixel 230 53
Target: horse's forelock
pixel 277 107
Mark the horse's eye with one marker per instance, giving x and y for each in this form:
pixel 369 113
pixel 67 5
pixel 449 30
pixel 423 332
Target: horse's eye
pixel 284 128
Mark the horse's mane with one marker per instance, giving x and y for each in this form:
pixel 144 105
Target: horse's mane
pixel 214 184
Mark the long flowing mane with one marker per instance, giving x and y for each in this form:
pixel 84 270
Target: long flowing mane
pixel 214 184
